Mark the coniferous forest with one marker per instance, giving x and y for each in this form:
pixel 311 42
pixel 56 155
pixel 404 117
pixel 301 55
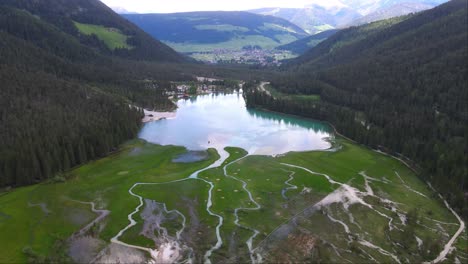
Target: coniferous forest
pixel 65 97
pixel 398 85
pixel 64 101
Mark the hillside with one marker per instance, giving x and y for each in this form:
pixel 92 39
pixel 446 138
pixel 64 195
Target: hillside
pixel 400 88
pixel 319 15
pixel 97 26
pixel 356 37
pixel 205 32
pixel 63 102
pixel 302 45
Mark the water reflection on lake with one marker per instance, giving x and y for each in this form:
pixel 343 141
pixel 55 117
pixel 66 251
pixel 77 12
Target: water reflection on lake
pixel 217 121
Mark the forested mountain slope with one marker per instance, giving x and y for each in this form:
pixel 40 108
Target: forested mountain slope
pixel 64 102
pixel 97 26
pixel 348 44
pixel 401 88
pixel 304 44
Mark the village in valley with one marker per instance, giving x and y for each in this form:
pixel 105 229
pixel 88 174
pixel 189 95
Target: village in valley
pixel 251 56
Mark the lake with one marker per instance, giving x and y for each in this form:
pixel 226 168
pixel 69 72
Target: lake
pixel 221 120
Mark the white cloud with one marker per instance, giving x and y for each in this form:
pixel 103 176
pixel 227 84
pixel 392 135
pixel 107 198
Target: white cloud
pixel 169 6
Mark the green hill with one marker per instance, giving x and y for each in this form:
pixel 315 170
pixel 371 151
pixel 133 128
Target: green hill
pixel 97 26
pixel 207 31
pixel 399 86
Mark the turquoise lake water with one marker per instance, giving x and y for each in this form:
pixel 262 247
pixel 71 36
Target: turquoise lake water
pixel 217 121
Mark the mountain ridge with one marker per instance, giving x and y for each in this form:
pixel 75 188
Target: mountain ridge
pixel 320 16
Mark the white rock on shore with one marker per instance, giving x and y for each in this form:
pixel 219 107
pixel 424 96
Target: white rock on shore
pixel 151 116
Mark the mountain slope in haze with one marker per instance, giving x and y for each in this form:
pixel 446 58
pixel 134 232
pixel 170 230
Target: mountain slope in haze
pixel 401 88
pixel 395 10
pixel 302 45
pixel 64 102
pixel 207 31
pixel 319 15
pixel 366 7
pixel 97 26
pixel 313 19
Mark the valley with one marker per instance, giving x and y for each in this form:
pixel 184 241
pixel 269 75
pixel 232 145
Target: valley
pixel 141 204
pixel 275 135
pixel 222 37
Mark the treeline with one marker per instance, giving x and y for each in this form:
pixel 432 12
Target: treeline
pixel 63 103
pixel 63 99
pixel 50 125
pixel 405 92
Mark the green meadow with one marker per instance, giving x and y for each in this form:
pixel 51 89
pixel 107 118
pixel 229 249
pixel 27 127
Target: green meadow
pixel 112 37
pixel 397 216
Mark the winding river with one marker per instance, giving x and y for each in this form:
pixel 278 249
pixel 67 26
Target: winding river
pixel 222 120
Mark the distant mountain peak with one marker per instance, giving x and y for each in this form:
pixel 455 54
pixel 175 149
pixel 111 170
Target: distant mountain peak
pixel 121 10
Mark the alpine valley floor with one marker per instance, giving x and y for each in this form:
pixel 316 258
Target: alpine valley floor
pixel 348 204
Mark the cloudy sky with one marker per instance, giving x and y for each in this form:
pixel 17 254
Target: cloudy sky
pixel 169 6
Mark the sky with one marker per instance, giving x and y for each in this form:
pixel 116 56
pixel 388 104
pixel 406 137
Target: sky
pixel 171 6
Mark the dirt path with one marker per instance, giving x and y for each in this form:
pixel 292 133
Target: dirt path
pixel 262 88
pixel 449 246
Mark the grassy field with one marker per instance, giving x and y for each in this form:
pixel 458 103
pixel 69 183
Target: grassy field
pixel 112 37
pixel 222 27
pixel 295 97
pixel 233 44
pixel 396 214
pixel 105 182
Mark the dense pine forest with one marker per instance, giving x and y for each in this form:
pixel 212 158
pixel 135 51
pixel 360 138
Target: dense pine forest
pixel 398 85
pixel 65 99
pixel 63 14
pixel 66 96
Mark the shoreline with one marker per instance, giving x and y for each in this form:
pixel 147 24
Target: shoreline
pixel 151 116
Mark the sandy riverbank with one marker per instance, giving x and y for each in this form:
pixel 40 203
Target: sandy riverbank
pixel 151 116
